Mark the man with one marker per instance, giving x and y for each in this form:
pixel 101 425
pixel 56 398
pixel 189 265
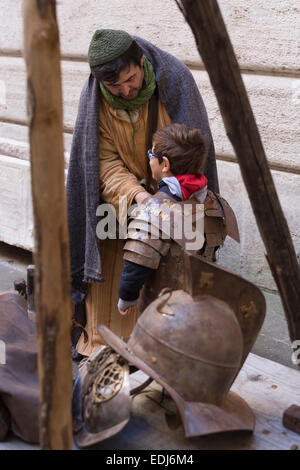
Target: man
pixel 108 157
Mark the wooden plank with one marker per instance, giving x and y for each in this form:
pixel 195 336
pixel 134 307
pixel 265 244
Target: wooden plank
pixel 51 256
pixel 268 388
pixel 274 100
pixel 264 34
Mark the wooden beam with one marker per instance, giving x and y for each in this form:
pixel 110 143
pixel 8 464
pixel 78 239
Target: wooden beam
pixel 215 48
pixel 51 257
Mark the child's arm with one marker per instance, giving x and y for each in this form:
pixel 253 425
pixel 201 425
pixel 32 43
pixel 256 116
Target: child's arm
pixel 132 280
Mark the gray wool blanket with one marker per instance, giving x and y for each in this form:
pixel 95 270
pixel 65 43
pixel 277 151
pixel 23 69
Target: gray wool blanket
pixel 182 100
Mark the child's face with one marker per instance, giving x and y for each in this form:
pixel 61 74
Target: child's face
pixel 156 168
pixel 160 169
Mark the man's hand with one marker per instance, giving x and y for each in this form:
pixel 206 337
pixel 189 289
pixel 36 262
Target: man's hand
pixel 140 197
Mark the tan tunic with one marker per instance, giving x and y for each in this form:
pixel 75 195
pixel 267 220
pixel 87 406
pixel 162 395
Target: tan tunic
pixel 120 173
pixel 121 168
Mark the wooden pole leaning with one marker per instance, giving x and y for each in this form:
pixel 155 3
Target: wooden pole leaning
pixel 215 48
pixel 51 254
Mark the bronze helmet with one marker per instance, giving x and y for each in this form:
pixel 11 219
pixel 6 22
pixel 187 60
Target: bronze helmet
pixel 193 347
pixel 100 397
pixel 196 345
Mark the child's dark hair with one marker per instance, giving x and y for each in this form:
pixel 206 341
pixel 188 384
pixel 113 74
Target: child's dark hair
pixel 186 148
pixel 110 71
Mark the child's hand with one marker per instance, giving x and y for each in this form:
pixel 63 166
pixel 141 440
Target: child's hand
pixel 124 312
pixel 128 310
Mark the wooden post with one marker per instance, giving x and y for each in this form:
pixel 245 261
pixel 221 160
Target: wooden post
pixel 215 48
pixel 51 257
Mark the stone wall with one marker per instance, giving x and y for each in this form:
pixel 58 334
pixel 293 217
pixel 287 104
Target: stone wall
pixel 265 36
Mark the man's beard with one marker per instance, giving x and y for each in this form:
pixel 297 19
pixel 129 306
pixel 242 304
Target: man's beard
pixel 133 94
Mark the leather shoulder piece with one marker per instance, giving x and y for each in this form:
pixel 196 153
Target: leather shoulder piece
pixel 140 259
pixel 214 222
pixel 212 207
pixel 142 254
pixel 148 235
pixel 231 222
pixel 172 219
pixel 219 221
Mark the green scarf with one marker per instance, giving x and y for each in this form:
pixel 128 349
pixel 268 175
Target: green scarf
pixel 144 95
pixel 147 90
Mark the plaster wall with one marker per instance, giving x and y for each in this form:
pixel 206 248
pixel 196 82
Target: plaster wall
pixel 265 36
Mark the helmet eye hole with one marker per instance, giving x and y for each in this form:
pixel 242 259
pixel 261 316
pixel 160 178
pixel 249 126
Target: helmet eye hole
pixel 108 383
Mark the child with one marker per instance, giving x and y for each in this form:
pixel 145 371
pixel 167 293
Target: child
pixel 178 155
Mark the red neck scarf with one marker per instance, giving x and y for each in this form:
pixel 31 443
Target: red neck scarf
pixel 191 183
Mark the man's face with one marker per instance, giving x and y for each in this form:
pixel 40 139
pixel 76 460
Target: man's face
pixel 129 83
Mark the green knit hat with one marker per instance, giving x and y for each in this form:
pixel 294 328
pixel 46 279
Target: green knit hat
pixel 107 45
